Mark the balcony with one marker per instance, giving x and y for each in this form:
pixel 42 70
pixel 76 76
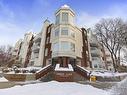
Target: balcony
pixel 93 44
pixel 37 38
pixel 36 46
pixel 36 55
pixel 108 59
pixel 95 53
pixel 96 59
pixel 36 49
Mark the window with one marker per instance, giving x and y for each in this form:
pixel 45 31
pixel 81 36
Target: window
pixel 100 66
pixel 38 44
pixel 64 46
pixel 56 46
pixel 72 34
pixel 36 56
pixel 95 65
pixel 93 48
pixel 47 41
pixel 72 47
pixel 65 17
pixel 57 19
pixel 94 58
pixel 57 33
pixel 67 46
pixel 64 31
pixel 46 51
pixel 48 30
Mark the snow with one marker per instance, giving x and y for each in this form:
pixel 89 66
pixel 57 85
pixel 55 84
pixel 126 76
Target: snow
pixel 53 88
pixel 108 74
pixel 43 68
pixel 2 79
pixel 30 68
pixel 12 72
pixel 120 88
pixel 58 68
pixel 38 69
pixel 65 6
pixel 84 69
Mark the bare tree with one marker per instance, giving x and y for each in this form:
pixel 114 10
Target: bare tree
pixel 5 54
pixel 112 34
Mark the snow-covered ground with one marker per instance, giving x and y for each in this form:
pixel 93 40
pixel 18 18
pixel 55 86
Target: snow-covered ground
pixel 53 88
pixel 62 88
pixel 120 88
pixel 108 74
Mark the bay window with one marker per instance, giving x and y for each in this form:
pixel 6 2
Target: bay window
pixel 64 46
pixel 72 47
pixel 72 34
pixel 56 46
pixel 64 31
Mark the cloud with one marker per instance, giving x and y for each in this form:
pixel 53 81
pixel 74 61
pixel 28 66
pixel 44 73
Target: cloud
pixel 13 25
pixel 7 29
pixel 10 30
pixel 9 33
pixel 85 19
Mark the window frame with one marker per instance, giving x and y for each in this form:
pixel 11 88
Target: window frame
pixel 56 33
pixel 56 46
pixel 66 46
pixel 57 19
pixel 65 17
pixel 72 47
pixel 64 31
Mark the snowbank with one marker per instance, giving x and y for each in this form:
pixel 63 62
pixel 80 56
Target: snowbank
pixel 120 88
pixel 43 68
pixel 108 74
pixel 84 69
pixel 2 79
pixel 53 88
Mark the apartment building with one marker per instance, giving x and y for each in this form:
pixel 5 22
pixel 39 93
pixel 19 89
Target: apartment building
pixel 25 50
pixel 109 64
pixel 63 43
pixel 38 48
pixel 97 53
pixel 17 47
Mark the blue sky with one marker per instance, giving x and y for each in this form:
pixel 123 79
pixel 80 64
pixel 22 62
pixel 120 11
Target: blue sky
pixel 20 16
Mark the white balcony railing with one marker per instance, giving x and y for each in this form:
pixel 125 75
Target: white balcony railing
pixel 93 44
pixel 95 53
pixel 37 38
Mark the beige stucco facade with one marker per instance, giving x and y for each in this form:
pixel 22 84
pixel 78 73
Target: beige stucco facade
pixel 24 47
pixel 70 26
pixel 16 49
pixel 63 42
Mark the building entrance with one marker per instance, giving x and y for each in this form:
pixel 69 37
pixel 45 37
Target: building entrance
pixel 64 61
